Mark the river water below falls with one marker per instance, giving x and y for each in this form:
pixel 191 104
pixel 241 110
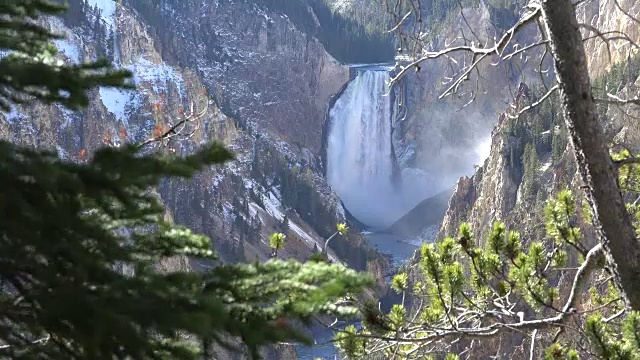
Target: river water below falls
pixel 400 249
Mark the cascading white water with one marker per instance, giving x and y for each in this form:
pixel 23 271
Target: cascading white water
pixel 359 160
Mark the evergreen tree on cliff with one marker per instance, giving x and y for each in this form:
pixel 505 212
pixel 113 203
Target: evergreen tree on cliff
pixel 80 242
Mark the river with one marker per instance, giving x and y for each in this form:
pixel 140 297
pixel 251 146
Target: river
pixel 400 250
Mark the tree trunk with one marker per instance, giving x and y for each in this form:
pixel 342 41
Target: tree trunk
pixel 612 222
pixel 325 250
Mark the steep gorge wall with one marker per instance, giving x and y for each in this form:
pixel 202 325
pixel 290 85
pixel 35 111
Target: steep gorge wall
pixel 277 83
pixel 451 136
pixel 444 138
pixel 612 18
pixel 447 136
pixel 492 193
pixel 260 67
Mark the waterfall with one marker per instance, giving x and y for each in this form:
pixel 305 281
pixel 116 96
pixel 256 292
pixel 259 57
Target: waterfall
pixel 359 156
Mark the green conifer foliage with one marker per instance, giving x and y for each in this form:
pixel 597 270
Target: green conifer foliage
pixel 71 228
pixel 465 291
pixel 559 141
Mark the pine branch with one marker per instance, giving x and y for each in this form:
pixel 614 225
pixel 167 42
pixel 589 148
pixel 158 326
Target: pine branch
pixel 591 263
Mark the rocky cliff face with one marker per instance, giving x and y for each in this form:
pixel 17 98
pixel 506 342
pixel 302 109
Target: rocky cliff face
pixel 217 201
pixel 494 192
pixel 264 70
pixel 443 134
pixel 275 81
pixel 610 17
pixel 448 136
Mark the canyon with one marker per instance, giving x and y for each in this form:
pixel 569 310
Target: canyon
pixel 317 141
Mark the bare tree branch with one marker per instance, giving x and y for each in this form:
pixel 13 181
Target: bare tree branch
pixel 616 100
pixel 178 129
pixel 535 104
pixel 532 348
pixel 627 161
pixel 480 52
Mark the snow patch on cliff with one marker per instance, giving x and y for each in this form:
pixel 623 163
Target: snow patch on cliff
pixel 158 75
pixel 227 212
pixel 68 49
pixel 12 116
pixel 253 209
pixel 340 211
pixel 249 184
pixel 67 115
pixel 272 205
pixel 62 153
pixel 116 101
pixel 546 166
pixel 216 180
pixel 69 45
pixel 302 234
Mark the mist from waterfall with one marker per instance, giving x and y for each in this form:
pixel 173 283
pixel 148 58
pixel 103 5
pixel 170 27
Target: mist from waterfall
pixel 359 153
